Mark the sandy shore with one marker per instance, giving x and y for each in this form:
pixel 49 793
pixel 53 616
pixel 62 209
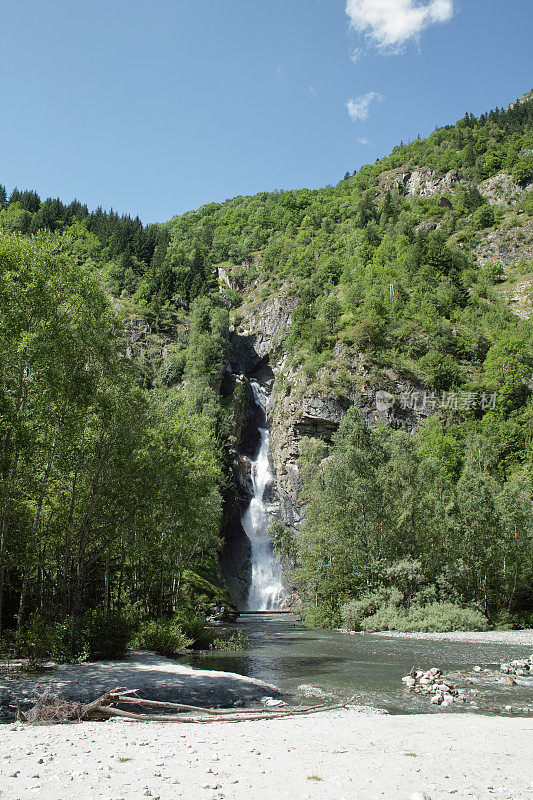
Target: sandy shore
pixel 331 756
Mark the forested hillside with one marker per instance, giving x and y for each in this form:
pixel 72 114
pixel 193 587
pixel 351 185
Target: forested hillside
pixel 118 417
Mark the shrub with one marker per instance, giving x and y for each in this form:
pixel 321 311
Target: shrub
pixel 95 635
pixel 162 636
pixel 386 618
pixel 440 371
pixel 354 611
pixel 483 216
pixel 107 635
pixel 235 641
pixel 39 639
pixel 196 629
pixel 523 170
pixel 432 617
pixel 319 617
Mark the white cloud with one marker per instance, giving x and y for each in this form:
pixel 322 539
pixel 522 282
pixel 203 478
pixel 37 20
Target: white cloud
pixel 391 23
pixel 365 141
pixel 358 108
pixel 356 54
pixel 312 90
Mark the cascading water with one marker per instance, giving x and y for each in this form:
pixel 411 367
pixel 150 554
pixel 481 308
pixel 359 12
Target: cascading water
pixel 266 591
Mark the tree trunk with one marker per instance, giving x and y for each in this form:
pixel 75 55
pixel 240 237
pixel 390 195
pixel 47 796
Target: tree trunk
pixel 37 518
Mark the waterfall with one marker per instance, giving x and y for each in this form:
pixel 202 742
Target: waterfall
pixel 266 589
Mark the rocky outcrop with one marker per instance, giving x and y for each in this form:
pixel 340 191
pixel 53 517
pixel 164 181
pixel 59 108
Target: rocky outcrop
pixel 425 183
pixel 314 415
pixel 238 276
pixel 260 331
pixel 501 189
pixel 419 182
pixel 507 244
pixel 519 296
pixel 316 412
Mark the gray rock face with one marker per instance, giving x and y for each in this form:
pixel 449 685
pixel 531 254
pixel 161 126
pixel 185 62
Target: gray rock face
pixel 501 189
pixel 263 325
pixel 301 411
pixel 316 415
pixel 426 183
pixel 506 245
pixel 423 183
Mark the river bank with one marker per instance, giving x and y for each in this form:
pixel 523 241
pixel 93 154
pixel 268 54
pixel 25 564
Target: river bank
pixel 340 754
pixel 515 638
pixel 154 676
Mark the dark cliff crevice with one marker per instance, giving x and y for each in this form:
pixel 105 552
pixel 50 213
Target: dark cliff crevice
pixel 235 557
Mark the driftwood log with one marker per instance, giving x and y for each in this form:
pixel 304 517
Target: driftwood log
pixel 49 709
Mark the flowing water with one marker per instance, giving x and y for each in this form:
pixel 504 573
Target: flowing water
pixel 311 666
pixel 266 589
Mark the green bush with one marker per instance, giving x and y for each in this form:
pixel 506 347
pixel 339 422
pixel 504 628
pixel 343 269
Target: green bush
pixel 355 611
pixel 483 217
pixel 107 635
pixel 235 641
pixel 437 617
pixel 321 617
pixel 95 635
pixel 162 636
pixel 194 626
pixel 386 618
pixel 523 170
pixel 39 639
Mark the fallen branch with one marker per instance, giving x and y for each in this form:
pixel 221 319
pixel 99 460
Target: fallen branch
pixel 244 716
pixel 50 709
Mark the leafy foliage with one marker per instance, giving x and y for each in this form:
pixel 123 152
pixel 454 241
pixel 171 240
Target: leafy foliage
pixel 116 415
pixel 399 527
pixel 109 494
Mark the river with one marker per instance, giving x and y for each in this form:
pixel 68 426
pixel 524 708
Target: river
pixel 315 666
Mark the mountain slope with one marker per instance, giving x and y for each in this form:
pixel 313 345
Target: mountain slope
pixel 394 312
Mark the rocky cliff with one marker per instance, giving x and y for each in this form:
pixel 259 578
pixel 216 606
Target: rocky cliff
pixel 303 409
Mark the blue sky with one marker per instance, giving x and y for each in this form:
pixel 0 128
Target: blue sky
pixel 157 107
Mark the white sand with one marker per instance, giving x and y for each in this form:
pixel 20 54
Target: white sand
pixel 328 756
